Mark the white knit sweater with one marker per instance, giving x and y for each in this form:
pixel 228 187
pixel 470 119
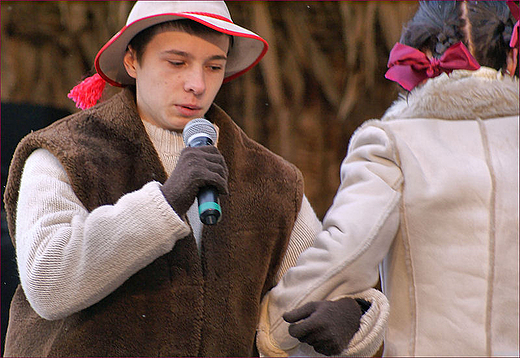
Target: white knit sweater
pixel 69 258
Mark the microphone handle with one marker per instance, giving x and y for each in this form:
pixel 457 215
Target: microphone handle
pixel 209 207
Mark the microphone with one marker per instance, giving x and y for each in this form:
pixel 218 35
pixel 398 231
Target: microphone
pixel 199 132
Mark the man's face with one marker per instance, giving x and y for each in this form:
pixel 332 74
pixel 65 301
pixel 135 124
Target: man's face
pixel 178 77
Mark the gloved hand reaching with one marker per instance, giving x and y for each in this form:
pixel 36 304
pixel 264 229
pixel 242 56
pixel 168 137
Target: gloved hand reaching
pixel 328 326
pixel 197 167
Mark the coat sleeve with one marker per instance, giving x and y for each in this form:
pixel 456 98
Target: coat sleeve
pixel 70 258
pixel 344 261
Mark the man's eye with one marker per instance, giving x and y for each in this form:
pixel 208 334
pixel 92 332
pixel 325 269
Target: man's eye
pixel 216 68
pixel 176 63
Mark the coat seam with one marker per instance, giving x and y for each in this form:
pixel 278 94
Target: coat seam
pixel 492 238
pixel 410 271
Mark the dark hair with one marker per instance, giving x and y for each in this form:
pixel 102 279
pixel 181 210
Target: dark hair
pixel 492 27
pixel 485 27
pixel 435 26
pixel 139 41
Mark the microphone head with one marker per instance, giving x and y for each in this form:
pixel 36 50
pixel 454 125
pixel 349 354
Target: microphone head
pixel 199 127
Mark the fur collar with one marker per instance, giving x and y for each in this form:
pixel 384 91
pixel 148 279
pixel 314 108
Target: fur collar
pixel 485 93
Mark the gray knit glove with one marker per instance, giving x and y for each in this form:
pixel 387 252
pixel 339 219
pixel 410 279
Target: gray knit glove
pixel 328 326
pixel 197 167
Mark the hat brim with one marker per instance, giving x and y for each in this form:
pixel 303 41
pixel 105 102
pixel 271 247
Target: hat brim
pixel 247 50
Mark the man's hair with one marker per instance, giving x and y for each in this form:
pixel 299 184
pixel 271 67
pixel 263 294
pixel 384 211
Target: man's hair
pixel 485 27
pixel 139 41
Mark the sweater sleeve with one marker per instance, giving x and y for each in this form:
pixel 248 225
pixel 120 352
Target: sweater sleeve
pixel 357 233
pixel 305 229
pixel 69 258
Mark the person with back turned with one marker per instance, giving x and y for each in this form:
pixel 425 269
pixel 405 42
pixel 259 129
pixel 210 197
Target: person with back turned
pixel 428 197
pixel 102 205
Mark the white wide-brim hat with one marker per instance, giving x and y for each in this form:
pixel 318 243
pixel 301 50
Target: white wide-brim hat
pixel 247 50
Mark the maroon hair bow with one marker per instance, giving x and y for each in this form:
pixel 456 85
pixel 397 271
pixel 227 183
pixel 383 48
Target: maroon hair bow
pixel 514 8
pixel 515 11
pixel 409 66
pixel 514 36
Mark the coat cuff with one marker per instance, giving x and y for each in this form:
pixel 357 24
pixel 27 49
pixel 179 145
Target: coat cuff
pixel 365 343
pixel 369 337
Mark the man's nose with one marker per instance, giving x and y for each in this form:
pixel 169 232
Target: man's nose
pixel 195 81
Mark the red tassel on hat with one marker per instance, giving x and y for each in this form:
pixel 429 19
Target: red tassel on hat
pixel 87 93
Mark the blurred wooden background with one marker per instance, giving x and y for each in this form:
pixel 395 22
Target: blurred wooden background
pixel 321 78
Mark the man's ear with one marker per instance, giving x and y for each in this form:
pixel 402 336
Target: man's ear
pixel 512 61
pixel 130 62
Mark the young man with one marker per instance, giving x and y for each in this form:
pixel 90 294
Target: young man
pixel 429 195
pixel 112 256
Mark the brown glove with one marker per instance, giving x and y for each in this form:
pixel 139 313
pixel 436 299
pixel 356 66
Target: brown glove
pixel 328 326
pixel 197 167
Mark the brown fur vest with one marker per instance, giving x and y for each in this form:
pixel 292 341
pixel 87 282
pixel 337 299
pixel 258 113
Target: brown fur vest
pixel 181 304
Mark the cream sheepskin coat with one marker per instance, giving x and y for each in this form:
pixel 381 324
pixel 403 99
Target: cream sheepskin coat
pixel 429 200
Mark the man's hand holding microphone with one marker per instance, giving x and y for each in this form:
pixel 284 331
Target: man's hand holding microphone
pixel 200 172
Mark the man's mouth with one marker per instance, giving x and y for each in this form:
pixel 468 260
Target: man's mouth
pixel 188 109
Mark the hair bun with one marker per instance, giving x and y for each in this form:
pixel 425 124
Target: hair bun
pixel 507 33
pixel 444 42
